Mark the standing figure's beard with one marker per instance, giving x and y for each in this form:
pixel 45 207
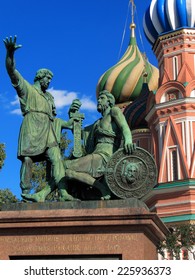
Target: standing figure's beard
pixel 44 86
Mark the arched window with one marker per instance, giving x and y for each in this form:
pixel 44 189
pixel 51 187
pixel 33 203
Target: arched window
pixel 174 162
pixel 175 67
pixel 173 167
pixel 170 95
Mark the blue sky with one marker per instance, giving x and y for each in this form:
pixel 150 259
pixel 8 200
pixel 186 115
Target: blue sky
pixel 78 41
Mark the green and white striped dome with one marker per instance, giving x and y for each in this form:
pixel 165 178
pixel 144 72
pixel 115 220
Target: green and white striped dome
pixel 125 79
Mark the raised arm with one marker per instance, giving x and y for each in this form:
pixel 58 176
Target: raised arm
pixel 121 122
pixel 11 47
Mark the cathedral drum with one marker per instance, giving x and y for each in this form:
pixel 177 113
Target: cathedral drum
pixel 131 175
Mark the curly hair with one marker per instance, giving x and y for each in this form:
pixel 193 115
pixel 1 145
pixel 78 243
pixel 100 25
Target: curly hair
pixel 41 73
pixel 109 95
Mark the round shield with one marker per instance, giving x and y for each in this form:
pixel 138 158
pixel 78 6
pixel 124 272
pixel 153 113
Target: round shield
pixel 131 175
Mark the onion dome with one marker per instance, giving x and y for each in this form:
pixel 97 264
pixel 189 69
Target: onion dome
pixel 135 112
pixel 164 16
pixel 124 80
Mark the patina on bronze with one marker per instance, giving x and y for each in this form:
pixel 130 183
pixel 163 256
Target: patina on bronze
pixel 38 138
pixel 132 175
pixel 77 124
pixel 112 164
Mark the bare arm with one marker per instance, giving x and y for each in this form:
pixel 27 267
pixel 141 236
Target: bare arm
pixel 121 122
pixel 11 47
pixel 67 124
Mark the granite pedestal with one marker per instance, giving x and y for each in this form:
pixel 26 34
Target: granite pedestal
pixel 116 229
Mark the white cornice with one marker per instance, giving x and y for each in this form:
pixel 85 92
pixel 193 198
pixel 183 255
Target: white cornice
pixel 166 190
pixel 174 34
pixel 164 105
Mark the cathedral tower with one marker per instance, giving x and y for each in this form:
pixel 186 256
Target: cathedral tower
pixel 170 27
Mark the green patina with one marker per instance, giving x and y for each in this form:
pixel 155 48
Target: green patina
pixel 38 138
pixel 101 140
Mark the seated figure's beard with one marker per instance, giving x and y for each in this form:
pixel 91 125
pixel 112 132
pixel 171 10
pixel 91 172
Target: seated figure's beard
pixel 102 108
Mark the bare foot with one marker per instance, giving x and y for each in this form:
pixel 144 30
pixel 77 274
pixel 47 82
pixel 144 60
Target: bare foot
pixel 33 197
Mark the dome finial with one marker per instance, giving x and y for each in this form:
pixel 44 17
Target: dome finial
pixel 132 25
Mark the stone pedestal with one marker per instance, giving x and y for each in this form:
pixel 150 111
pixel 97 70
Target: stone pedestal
pixel 80 230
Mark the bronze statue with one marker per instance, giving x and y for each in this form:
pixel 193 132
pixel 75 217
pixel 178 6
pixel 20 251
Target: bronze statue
pixel 111 164
pixel 101 140
pixel 38 139
pixel 106 135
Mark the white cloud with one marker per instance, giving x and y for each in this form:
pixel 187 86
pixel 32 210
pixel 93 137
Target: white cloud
pixel 88 104
pixel 16 112
pixel 15 102
pixel 62 99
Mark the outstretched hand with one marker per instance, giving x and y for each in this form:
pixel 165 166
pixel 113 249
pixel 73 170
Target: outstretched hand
pixel 10 44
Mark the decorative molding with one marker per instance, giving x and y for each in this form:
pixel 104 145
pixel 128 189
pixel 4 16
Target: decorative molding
pixel 171 105
pixel 179 141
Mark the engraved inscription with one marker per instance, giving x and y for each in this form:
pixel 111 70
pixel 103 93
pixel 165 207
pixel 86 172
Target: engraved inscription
pixel 59 244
